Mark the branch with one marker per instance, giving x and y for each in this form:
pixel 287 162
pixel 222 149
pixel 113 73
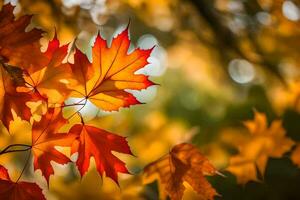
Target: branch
pixel 8 150
pixel 24 167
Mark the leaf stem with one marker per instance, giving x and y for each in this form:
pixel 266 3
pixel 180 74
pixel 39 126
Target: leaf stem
pixel 74 104
pixel 78 111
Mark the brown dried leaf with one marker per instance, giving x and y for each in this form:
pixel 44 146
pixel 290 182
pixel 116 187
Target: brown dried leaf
pixel 184 163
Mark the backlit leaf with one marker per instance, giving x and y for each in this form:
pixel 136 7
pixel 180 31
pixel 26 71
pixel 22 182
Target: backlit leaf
pixel 10 190
pixel 19 47
pixel 112 71
pixel 45 136
pixel 98 143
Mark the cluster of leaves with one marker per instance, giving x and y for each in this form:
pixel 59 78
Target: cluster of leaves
pixel 49 78
pixel 29 75
pixel 185 163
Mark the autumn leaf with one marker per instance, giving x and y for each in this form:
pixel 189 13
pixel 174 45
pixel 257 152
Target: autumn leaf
pixel 264 142
pixel 45 136
pixel 98 143
pixel 19 47
pixel 11 100
pixel 112 71
pixel 184 163
pixel 51 82
pixel 20 190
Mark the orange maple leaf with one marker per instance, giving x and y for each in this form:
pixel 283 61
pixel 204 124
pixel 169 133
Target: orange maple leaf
pixel 19 47
pixel 51 82
pixel 98 143
pixel 112 71
pixel 183 163
pixel 20 190
pixel 264 142
pixel 45 136
pixel 10 99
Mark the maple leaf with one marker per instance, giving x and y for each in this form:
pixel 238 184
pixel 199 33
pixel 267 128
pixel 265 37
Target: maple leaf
pixel 183 163
pixel 112 71
pixel 264 142
pixel 19 47
pixel 45 136
pixel 51 82
pixel 20 190
pixel 10 99
pixel 98 143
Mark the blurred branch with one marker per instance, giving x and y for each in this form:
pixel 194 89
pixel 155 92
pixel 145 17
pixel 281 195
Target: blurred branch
pixel 224 36
pixel 252 8
pixel 56 13
pixel 227 39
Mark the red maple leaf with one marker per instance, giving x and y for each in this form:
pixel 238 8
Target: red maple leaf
pixel 20 190
pixel 98 143
pixel 45 136
pixel 19 47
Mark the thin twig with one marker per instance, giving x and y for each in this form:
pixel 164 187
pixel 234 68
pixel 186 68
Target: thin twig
pixel 26 164
pixel 6 149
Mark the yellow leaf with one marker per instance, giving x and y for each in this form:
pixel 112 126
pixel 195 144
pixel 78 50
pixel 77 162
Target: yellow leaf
pixel 263 143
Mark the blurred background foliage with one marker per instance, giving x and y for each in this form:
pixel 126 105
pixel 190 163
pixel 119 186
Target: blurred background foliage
pixel 215 62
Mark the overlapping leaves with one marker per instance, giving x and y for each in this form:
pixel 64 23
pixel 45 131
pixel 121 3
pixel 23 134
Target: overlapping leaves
pixel 27 74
